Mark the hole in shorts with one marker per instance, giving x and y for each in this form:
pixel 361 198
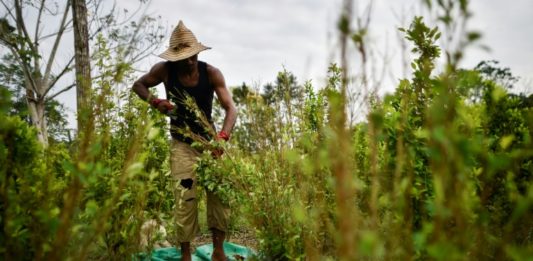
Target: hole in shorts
pixel 186 183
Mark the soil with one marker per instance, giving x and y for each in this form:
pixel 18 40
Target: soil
pixel 244 238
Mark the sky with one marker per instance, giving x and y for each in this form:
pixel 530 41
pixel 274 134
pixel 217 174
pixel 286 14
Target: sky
pixel 253 40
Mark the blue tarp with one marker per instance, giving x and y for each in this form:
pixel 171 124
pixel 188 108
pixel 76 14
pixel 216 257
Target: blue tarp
pixel 202 253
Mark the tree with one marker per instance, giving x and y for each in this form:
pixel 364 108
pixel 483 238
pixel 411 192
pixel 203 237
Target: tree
pixel 83 90
pixel 35 47
pixel 83 65
pixel 12 80
pixel 490 70
pixel 25 48
pixel 285 88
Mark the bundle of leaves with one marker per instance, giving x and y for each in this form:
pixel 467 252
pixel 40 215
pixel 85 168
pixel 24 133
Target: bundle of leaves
pixel 227 177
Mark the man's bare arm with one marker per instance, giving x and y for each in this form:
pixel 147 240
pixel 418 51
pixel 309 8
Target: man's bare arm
pixel 224 97
pixel 154 77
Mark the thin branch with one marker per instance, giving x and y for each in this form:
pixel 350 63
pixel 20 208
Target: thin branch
pixel 128 47
pixel 8 10
pixel 53 13
pixel 60 92
pixel 133 14
pixel 140 56
pixel 19 21
pixel 67 29
pixel 56 45
pixel 100 76
pixel 39 21
pixel 21 26
pixel 95 19
pixel 91 36
pixel 134 35
pixel 25 69
pixel 66 69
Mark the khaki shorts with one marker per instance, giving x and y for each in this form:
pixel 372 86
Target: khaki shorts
pixel 182 160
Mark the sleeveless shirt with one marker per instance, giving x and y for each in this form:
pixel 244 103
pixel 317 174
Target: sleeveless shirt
pixel 185 117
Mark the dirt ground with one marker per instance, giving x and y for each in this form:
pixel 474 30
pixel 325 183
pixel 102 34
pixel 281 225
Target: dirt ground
pixel 244 238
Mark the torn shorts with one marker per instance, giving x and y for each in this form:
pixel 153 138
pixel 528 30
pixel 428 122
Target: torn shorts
pixel 182 160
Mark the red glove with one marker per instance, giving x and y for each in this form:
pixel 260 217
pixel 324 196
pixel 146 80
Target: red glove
pixel 222 135
pixel 162 105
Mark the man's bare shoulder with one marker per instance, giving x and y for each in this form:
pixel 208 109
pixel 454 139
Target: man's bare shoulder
pixel 215 75
pixel 212 69
pixel 158 73
pixel 159 68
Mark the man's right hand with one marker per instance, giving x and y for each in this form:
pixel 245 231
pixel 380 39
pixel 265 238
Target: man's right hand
pixel 221 136
pixel 164 106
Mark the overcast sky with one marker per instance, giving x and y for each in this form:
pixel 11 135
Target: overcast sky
pixel 253 40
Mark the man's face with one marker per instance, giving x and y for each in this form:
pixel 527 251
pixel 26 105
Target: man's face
pixel 189 63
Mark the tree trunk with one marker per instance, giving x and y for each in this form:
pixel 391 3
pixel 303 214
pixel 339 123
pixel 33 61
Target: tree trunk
pixel 84 110
pixel 83 65
pixel 36 108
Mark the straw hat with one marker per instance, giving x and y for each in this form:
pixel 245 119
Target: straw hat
pixel 182 45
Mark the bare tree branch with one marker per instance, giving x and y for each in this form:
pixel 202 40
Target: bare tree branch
pixel 128 19
pixel 21 26
pixel 140 56
pixel 52 12
pixel 67 68
pixel 19 21
pixel 67 29
pixel 8 10
pixel 134 35
pixel 38 24
pixel 51 97
pixel 95 8
pixel 27 71
pixel 54 48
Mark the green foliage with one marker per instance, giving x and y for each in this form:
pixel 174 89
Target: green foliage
pixel 501 76
pixel 31 189
pixel 440 169
pixel 94 196
pixel 127 183
pixel 227 177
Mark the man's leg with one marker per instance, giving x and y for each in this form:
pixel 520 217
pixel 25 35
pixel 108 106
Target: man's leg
pixel 217 221
pixel 218 245
pixel 182 161
pixel 186 251
pixel 187 219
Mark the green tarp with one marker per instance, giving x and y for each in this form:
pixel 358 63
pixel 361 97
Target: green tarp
pixel 202 253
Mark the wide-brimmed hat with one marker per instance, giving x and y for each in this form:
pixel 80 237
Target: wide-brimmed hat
pixel 183 44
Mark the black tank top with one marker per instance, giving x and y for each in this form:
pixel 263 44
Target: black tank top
pixel 184 117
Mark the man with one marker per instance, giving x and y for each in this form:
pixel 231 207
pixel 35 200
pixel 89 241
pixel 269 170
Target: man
pixel 184 76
